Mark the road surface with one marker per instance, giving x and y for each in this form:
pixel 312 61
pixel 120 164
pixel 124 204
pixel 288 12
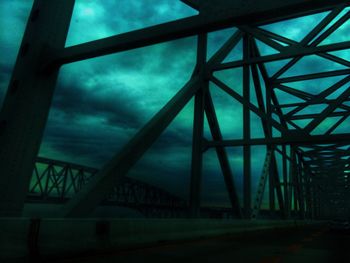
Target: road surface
pixel 312 244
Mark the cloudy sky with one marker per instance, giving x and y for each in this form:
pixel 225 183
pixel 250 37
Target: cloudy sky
pixel 99 104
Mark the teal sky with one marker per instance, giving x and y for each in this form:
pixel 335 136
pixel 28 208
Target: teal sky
pixel 99 104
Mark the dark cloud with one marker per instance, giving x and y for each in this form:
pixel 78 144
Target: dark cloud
pixel 6 69
pixel 115 17
pixel 115 109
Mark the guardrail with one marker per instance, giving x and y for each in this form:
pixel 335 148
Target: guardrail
pixel 25 237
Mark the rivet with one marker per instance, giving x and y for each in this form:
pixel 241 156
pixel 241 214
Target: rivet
pixel 35 15
pixel 24 49
pixel 14 86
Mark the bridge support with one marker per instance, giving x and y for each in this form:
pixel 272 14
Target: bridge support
pixel 27 102
pixel 198 124
pixel 247 195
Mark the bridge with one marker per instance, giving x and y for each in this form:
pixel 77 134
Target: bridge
pixel 56 182
pixel 295 90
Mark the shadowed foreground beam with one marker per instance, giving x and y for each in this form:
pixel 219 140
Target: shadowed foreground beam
pixel 27 102
pixel 102 184
pixel 198 124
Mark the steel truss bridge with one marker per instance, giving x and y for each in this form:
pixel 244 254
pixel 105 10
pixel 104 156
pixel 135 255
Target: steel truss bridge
pixel 56 182
pixel 315 165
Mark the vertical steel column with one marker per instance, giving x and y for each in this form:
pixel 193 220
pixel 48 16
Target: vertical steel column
pixel 246 131
pixel 267 127
pixel 314 201
pixel 300 188
pixel 309 197
pixel 27 102
pixel 285 181
pixel 271 172
pixel 320 213
pixel 294 183
pixel 291 193
pixel 277 185
pixel 272 204
pixel 198 122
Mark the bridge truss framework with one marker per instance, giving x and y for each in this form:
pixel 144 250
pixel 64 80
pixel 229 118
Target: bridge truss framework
pixel 315 167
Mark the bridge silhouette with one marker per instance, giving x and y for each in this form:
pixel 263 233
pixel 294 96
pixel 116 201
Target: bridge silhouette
pixel 304 118
pixel 56 182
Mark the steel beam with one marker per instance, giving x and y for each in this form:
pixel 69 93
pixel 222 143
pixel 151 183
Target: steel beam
pixel 288 53
pixel 328 74
pixel 278 187
pixel 198 124
pixel 247 195
pixel 261 185
pixel 300 187
pixel 321 97
pixel 248 104
pixel 309 37
pixel 218 15
pixel 272 186
pixel 28 99
pixel 297 139
pixel 285 181
pixel 327 111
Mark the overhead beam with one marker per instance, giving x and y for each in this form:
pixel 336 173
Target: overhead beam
pixel 310 36
pixel 287 53
pixel 290 139
pixel 326 74
pixel 218 15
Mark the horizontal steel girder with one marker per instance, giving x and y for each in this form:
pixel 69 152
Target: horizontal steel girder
pixel 293 140
pixel 212 16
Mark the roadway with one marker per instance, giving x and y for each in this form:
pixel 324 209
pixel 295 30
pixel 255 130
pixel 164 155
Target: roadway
pixel 311 244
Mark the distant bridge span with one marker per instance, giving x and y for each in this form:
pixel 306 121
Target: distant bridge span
pixel 56 181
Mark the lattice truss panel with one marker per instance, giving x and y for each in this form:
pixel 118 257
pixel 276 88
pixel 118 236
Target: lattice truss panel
pixel 302 93
pixel 57 182
pixel 314 103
